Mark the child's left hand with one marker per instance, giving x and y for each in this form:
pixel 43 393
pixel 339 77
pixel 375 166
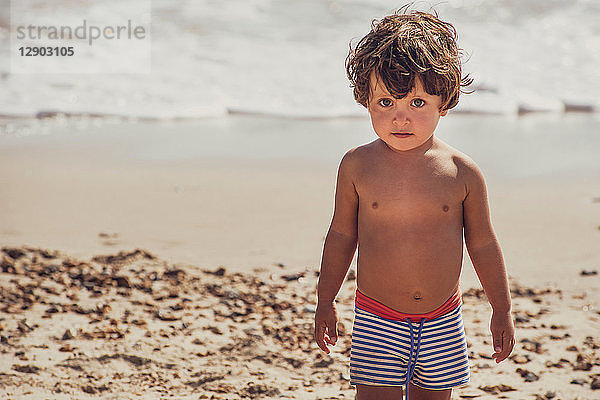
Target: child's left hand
pixel 503 335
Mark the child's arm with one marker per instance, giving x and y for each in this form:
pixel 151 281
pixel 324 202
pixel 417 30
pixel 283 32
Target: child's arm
pixel 486 256
pixel 338 251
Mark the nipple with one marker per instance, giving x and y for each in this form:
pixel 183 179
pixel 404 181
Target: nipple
pixel 445 208
pixel 374 204
pixel 418 296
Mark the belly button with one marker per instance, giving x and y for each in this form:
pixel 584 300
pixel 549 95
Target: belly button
pixel 418 296
pixel 445 208
pixel 374 204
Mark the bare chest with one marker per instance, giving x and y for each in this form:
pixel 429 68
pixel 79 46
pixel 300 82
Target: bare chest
pixel 419 190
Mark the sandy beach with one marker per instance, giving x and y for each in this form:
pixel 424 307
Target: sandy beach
pixel 179 259
pixel 130 325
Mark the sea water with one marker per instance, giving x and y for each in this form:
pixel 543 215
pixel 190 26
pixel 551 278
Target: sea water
pixel 285 58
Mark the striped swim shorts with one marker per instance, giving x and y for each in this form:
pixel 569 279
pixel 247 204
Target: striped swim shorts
pixel 389 351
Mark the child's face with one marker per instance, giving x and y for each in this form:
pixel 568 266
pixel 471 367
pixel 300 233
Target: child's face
pixel 403 124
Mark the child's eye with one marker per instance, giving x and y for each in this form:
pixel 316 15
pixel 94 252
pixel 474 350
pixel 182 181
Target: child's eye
pixel 385 102
pixel 418 103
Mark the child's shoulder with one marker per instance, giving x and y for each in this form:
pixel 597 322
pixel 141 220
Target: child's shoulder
pixel 458 157
pixel 358 155
pixel 362 153
pixel 466 167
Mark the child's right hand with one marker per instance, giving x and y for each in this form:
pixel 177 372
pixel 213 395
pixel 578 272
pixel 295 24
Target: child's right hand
pixel 326 325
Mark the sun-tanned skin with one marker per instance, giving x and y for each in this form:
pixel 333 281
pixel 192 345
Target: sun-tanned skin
pixel 405 199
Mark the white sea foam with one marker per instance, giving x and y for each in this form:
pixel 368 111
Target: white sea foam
pixel 286 58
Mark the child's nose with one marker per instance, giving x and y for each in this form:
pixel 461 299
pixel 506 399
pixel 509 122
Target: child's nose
pixel 400 118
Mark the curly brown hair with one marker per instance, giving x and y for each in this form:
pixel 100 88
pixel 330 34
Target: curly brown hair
pixel 405 45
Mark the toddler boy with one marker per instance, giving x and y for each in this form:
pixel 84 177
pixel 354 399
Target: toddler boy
pixel 406 199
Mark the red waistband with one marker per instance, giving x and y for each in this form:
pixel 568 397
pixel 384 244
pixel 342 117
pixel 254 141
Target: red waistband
pixel 373 306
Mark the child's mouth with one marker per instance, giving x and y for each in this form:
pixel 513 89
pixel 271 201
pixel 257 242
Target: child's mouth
pixel 402 134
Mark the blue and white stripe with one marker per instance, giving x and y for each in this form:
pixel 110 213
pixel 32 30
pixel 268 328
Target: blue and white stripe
pixel 381 348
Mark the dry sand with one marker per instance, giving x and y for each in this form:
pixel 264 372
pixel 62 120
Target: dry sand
pixel 154 323
pixel 130 325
